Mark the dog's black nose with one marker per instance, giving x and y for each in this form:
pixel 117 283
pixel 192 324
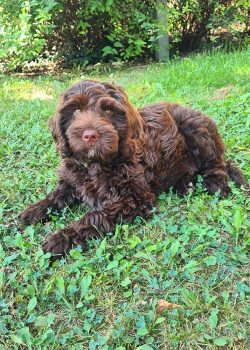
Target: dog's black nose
pixel 90 136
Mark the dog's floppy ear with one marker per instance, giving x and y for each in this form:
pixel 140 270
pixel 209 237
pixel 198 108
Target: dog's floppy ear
pixel 134 119
pixel 62 118
pixel 54 125
pixel 135 131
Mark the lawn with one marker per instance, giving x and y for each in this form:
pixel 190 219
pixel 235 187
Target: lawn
pixel 193 252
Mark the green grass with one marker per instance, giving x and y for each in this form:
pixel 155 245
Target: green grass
pixel 194 252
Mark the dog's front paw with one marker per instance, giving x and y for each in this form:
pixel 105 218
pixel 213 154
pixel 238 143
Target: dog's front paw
pixel 61 242
pixel 58 244
pixel 34 213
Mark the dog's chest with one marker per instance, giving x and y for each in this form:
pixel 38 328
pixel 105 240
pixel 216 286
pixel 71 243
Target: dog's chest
pixel 100 186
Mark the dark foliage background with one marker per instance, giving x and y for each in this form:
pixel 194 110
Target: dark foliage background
pixel 37 33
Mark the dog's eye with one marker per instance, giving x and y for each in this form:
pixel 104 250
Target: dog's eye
pixel 108 112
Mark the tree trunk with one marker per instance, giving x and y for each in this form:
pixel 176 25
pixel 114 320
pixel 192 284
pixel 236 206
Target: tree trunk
pixel 163 41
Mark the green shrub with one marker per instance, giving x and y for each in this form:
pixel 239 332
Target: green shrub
pixel 24 28
pixel 105 31
pixel 195 24
pixel 81 32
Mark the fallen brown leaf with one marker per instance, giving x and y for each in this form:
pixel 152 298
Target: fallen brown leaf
pixel 221 93
pixel 163 305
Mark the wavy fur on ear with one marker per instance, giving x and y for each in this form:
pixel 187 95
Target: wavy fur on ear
pixel 134 143
pixel 135 121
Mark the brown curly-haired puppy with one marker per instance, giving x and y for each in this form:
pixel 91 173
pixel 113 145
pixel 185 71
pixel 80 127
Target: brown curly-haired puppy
pixel 116 159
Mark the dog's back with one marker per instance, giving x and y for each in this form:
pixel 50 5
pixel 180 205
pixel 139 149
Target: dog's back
pixel 203 141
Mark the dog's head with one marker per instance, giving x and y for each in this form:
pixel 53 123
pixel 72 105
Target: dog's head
pixel 95 121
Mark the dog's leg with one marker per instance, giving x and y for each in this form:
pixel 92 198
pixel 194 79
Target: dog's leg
pixel 94 224
pixel 216 178
pixel 206 146
pixel 184 185
pixel 91 225
pixel 56 200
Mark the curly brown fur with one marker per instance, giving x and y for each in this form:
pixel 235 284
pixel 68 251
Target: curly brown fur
pixel 117 159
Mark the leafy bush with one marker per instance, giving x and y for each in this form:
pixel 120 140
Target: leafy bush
pixel 193 24
pixel 24 27
pixel 76 33
pixel 105 30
